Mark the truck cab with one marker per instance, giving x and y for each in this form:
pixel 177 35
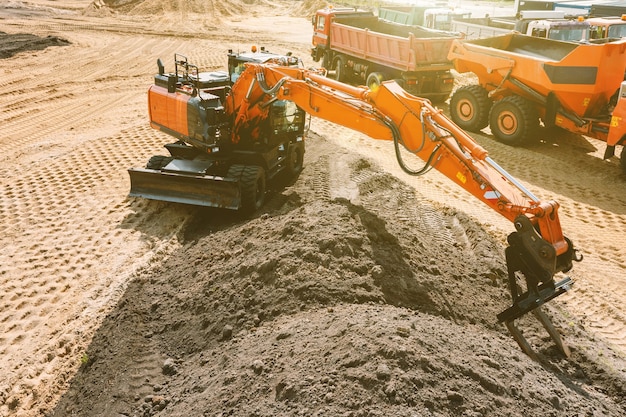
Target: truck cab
pixel 560 29
pixel 321 21
pixel 441 18
pixel 608 27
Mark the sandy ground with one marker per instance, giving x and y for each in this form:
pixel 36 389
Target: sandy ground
pixel 357 291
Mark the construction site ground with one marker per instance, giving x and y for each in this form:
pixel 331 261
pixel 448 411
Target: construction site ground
pixel 356 291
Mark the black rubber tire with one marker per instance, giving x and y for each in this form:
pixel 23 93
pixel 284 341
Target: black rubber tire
pixel 252 184
pixel 158 162
pixel 622 159
pixel 340 70
pixel 469 107
pixel 295 160
pixel 374 80
pixel 514 121
pixel 440 98
pixel 326 61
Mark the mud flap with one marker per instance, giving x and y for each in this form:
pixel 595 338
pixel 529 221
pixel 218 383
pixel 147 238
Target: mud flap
pixel 200 190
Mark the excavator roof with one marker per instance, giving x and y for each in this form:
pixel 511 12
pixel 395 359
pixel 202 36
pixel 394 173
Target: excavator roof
pixel 263 56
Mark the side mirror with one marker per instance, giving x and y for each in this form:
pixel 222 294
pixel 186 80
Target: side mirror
pixel 161 67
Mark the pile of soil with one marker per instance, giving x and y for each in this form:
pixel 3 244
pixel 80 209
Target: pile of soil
pixel 11 44
pixel 155 7
pixel 378 305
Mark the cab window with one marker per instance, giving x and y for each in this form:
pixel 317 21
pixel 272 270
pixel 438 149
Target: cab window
pixel 617 31
pixel 321 21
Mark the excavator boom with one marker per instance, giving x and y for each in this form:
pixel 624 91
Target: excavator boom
pixel 537 249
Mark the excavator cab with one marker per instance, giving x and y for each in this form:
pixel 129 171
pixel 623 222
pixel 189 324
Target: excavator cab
pixel 237 61
pixel 213 163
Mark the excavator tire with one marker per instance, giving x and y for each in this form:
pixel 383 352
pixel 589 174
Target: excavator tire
pixel 158 162
pixel 513 121
pixel 469 108
pixel 295 160
pixel 622 159
pixel 252 184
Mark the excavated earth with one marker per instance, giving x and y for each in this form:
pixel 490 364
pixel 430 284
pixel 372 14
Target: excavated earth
pixel 357 290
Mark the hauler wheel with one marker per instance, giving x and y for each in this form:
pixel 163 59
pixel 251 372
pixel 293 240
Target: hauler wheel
pixel 469 108
pixel 514 121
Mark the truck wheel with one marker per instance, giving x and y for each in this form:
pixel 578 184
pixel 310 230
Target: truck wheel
pixel 295 160
pixel 252 186
pixel 326 61
pixel 339 66
pixel 622 159
pixel 513 120
pixel 469 108
pixel 374 80
pixel 158 162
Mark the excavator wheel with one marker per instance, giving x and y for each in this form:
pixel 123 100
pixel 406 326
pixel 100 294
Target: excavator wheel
pixel 513 121
pixel 469 108
pixel 158 162
pixel 622 159
pixel 252 185
pixel 295 160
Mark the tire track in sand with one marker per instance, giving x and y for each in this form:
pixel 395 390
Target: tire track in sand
pixel 72 239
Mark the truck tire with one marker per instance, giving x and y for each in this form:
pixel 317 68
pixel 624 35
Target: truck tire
pixel 622 159
pixel 469 108
pixel 252 184
pixel 327 61
pixel 513 120
pixel 340 70
pixel 374 80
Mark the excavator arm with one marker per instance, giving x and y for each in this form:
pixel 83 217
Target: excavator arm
pixel 537 248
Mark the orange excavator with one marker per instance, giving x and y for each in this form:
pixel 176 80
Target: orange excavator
pixel 235 137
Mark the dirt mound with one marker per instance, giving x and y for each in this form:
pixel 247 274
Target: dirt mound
pixel 348 296
pixel 156 7
pixel 11 44
pixel 309 7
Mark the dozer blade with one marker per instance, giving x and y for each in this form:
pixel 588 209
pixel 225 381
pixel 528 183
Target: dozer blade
pixel 199 190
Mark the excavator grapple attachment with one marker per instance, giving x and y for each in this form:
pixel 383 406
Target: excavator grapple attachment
pixel 536 261
pixel 183 181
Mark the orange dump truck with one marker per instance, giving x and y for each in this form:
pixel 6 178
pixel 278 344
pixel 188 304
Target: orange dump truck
pixel 523 80
pixel 356 47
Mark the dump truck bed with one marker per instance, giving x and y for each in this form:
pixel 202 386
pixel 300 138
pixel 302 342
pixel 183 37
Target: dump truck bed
pixel 581 76
pixel 406 48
